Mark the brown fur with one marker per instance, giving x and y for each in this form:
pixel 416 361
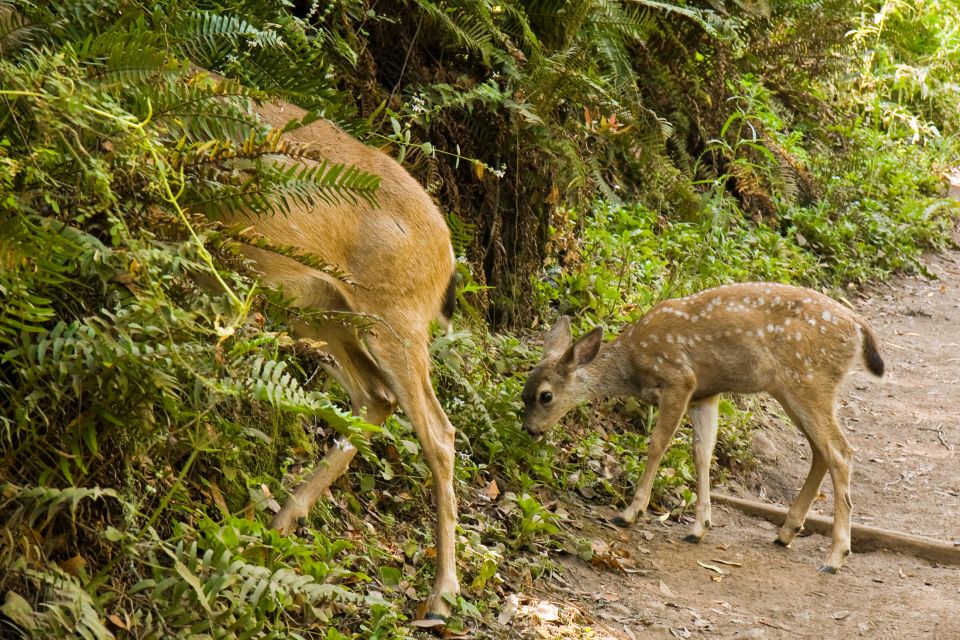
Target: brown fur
pixel 793 343
pixel 398 257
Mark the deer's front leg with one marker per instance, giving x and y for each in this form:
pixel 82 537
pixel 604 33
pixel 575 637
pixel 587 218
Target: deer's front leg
pixel 704 415
pixel 673 403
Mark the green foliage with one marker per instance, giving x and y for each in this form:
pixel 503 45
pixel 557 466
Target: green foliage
pixel 131 387
pixel 594 157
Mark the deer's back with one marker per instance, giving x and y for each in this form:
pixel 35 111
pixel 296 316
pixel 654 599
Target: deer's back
pixel 748 338
pixel 396 251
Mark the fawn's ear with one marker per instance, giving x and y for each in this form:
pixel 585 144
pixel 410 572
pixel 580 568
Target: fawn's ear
pixel 584 350
pixel 557 341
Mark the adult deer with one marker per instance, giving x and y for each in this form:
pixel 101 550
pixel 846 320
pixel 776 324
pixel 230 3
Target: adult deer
pixel 795 344
pixel 400 263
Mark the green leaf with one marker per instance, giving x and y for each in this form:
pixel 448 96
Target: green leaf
pixel 18 610
pixel 194 583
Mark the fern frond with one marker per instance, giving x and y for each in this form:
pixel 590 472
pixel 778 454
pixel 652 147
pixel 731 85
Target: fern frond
pixel 206 37
pixel 15 30
pixel 128 56
pixel 699 16
pixel 272 185
pixel 250 237
pixel 38 506
pixel 468 29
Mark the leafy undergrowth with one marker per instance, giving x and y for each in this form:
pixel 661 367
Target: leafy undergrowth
pixel 154 411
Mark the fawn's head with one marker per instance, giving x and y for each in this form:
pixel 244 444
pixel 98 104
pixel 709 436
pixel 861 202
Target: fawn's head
pixel 557 383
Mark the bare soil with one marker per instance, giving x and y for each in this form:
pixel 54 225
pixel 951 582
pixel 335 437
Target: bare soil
pixel 647 583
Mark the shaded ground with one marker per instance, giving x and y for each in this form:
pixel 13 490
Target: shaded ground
pixel 906 431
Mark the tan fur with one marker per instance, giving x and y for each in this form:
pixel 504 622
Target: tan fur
pixel 397 253
pixel 793 343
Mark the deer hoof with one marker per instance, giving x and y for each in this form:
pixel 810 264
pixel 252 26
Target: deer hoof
pixel 827 569
pixel 692 538
pixel 619 521
pixel 432 612
pixel 781 543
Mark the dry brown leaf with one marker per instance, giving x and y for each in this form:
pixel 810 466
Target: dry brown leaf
pixel 729 563
pixel 665 590
pixel 115 619
pixel 711 567
pixel 547 611
pixel 74 566
pixel 427 624
pixel 217 496
pixel 492 491
pixel 510 605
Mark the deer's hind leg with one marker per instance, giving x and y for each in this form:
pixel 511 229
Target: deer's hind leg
pixel 814 414
pixel 797 514
pixel 704 414
pixel 406 364
pixel 361 378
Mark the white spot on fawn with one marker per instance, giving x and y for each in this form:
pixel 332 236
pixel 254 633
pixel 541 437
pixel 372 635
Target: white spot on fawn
pixel 826 316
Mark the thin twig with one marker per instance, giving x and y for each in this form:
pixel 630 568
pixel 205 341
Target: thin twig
pixel 939 432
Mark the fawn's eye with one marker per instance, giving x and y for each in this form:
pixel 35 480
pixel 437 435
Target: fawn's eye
pixel 545 397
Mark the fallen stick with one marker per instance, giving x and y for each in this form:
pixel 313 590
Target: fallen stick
pixel 862 537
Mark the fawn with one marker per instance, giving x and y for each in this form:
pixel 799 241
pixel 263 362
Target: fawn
pixel 793 343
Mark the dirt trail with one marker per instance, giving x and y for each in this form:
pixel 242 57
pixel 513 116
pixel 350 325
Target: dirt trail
pixel 906 431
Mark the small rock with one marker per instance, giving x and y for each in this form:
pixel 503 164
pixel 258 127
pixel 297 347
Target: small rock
pixel 841 615
pixel 763 447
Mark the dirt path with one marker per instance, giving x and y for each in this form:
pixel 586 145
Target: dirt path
pixel 906 431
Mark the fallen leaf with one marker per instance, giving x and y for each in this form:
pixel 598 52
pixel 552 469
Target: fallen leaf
pixel 115 619
pixel 217 496
pixel 729 563
pixel 711 567
pixel 841 615
pixel 492 491
pixel 665 590
pixel 427 624
pixel 547 611
pixel 510 604
pixel 74 566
